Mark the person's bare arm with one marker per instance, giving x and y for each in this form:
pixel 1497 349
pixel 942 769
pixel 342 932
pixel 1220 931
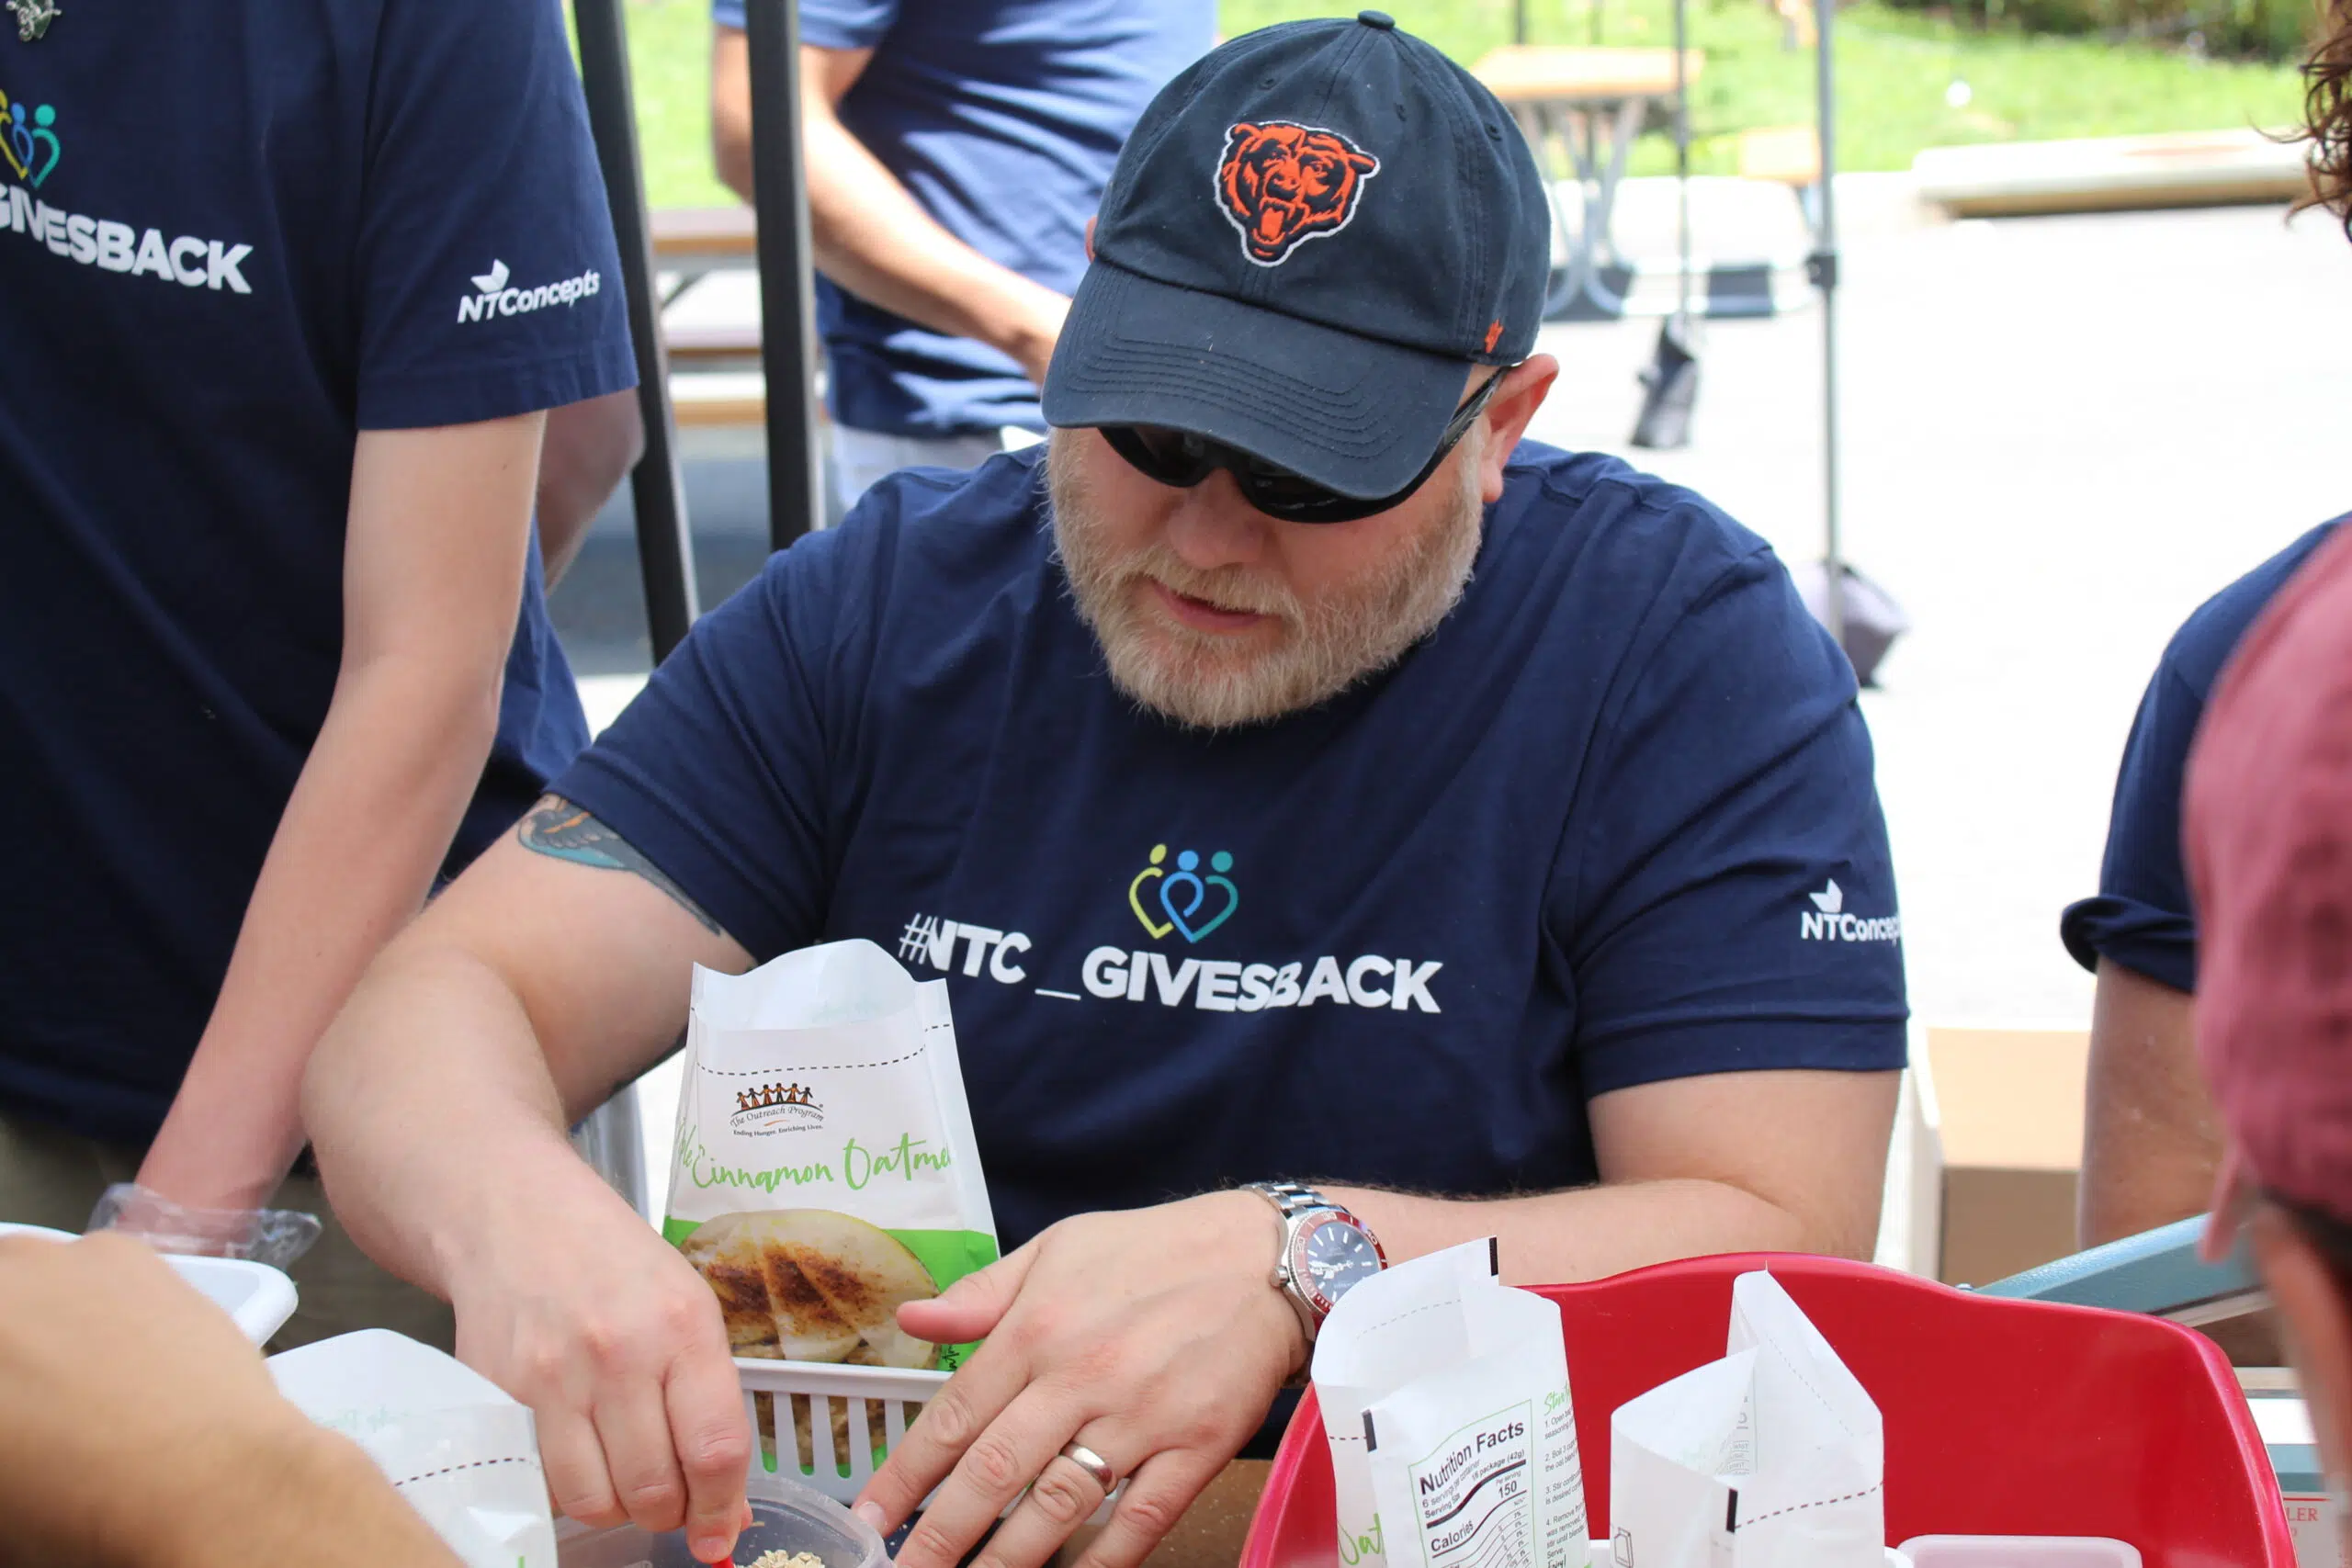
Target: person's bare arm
pixel 1731 1162
pixel 555 969
pixel 138 1429
pixel 2151 1144
pixel 871 237
pixel 433 568
pixel 590 448
pixel 1153 1336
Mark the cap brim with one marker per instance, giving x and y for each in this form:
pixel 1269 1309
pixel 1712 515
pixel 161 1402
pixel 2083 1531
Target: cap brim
pixel 1353 413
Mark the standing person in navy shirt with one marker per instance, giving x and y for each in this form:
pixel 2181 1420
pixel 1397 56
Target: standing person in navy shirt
pixel 1297 779
pixel 287 288
pixel 955 150
pixel 2149 1142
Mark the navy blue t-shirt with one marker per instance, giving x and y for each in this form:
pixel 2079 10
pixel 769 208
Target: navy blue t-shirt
pixel 1613 823
pixel 1002 117
pixel 2141 917
pixel 232 236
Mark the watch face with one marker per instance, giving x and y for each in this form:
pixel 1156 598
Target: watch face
pixel 1335 1256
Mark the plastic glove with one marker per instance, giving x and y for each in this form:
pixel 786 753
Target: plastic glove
pixel 274 1236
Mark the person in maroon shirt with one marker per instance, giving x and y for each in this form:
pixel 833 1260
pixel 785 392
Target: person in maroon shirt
pixel 2268 819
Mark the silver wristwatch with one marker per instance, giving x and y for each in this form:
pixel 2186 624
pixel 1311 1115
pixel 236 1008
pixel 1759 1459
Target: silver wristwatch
pixel 1326 1251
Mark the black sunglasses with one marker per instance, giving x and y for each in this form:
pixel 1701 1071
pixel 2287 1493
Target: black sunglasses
pixel 1182 460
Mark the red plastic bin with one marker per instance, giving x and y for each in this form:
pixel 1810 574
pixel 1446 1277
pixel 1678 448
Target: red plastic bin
pixel 2002 1417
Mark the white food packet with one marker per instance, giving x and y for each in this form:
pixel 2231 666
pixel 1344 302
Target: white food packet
pixel 826 1170
pixel 1770 1458
pixel 459 1448
pixel 1444 1395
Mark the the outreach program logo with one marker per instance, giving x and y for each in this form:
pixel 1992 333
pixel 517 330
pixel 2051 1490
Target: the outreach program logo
pixel 1183 896
pixel 28 144
pixel 775 1107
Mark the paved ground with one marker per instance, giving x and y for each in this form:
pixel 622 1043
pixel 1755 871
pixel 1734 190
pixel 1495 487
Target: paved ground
pixel 2060 435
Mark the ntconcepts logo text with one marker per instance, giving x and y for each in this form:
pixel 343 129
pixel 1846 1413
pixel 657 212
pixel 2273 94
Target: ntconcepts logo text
pixel 1829 922
pixel 1183 896
pixel 492 298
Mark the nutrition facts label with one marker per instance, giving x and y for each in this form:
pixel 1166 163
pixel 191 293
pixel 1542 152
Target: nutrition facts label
pixel 1504 1492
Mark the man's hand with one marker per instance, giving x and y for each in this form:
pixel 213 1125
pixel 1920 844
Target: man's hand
pixel 557 967
pixel 1155 1337
pixel 138 1427
pixel 615 1343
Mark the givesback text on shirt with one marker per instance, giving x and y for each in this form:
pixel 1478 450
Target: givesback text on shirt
pixel 111 246
pixel 1613 823
pixel 1183 901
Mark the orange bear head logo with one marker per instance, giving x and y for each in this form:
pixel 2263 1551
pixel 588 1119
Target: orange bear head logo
pixel 1281 183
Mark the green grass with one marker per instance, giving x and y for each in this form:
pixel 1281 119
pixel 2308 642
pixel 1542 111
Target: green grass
pixel 1894 70
pixel 669 59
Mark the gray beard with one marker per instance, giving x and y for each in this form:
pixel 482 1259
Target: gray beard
pixel 1203 681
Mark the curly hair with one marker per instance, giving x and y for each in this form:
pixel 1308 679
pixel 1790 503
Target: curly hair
pixel 2327 115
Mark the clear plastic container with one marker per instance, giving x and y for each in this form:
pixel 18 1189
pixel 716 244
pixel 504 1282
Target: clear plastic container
pixel 786 1516
pixel 258 1297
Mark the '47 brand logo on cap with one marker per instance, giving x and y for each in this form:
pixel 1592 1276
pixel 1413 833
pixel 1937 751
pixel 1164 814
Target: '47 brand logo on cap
pixel 1282 183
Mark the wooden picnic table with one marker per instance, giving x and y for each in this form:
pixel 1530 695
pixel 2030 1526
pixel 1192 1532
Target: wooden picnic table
pixel 1589 104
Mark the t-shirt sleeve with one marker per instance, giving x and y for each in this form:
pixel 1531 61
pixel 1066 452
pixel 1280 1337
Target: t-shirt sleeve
pixel 2141 917
pixel 1725 901
pixel 826 24
pixel 724 772
pixel 488 282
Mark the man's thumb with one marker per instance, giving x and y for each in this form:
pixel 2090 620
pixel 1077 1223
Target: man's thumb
pixel 971 1307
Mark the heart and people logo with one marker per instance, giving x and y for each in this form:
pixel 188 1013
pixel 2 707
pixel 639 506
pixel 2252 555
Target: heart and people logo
pixel 1183 900
pixel 29 145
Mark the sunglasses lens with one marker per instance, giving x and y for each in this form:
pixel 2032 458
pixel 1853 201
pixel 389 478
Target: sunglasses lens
pixel 1279 490
pixel 1170 456
pixel 1180 459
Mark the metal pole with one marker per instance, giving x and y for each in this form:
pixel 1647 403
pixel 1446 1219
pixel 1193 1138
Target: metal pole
pixel 665 550
pixel 788 309
pixel 1682 156
pixel 610 1139
pixel 1823 265
pixel 1519 21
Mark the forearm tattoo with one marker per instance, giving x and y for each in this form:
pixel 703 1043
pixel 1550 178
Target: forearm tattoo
pixel 559 828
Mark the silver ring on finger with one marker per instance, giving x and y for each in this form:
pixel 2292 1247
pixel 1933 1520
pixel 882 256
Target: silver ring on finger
pixel 1094 1464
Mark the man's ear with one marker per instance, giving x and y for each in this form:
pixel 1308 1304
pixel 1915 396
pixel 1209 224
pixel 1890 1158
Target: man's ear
pixel 1089 239
pixel 2318 1321
pixel 1507 412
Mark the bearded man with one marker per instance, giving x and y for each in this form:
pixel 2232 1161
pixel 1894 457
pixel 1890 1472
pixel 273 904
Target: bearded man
pixel 1299 780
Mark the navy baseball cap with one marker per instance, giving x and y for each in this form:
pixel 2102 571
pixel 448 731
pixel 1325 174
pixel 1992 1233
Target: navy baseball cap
pixel 1311 235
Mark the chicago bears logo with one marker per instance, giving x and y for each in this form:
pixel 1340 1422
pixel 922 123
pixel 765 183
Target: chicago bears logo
pixel 1281 183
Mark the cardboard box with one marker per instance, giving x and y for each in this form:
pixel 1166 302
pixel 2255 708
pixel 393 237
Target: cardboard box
pixel 2007 1109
